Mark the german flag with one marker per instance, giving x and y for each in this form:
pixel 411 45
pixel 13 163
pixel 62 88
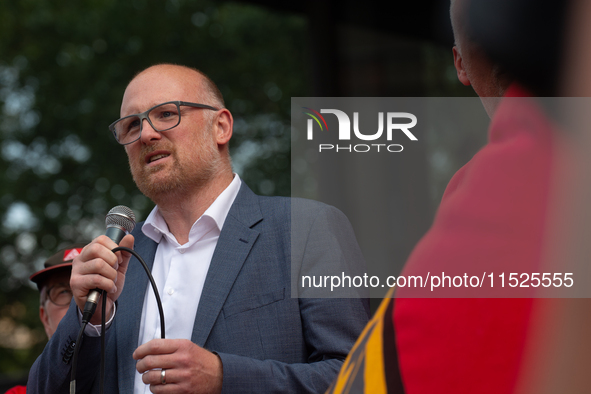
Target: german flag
pixel 372 364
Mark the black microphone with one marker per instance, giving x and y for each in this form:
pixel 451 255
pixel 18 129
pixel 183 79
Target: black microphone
pixel 119 221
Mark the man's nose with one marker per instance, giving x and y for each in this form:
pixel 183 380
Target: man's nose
pixel 148 134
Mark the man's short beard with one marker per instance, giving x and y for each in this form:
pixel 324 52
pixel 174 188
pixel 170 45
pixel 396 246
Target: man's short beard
pixel 182 177
pixel 153 189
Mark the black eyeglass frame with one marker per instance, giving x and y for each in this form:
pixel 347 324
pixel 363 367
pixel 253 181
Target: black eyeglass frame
pixel 49 298
pixel 144 115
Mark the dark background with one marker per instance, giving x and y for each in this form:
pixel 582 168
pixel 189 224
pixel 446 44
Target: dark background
pixel 64 67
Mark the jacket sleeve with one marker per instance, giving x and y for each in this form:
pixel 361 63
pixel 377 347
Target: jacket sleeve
pixel 51 371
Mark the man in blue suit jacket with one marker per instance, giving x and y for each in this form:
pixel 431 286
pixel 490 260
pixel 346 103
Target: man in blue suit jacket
pixel 239 329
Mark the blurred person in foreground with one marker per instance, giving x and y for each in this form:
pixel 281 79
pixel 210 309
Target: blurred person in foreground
pixel 55 294
pixel 220 256
pixel 558 357
pixel 493 218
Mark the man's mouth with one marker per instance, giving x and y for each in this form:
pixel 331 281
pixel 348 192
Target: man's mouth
pixel 156 157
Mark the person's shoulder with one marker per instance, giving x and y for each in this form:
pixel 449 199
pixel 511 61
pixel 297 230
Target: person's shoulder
pixel 292 207
pixel 296 205
pixel 302 214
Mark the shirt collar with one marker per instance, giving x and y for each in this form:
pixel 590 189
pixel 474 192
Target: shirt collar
pixel 155 226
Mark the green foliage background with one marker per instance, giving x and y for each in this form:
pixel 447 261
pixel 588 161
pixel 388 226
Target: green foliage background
pixel 63 68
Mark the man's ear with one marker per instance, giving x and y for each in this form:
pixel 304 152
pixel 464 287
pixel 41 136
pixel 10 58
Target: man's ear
pixel 223 126
pixel 459 64
pixel 43 316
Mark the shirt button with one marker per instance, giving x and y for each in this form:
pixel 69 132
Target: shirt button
pixel 170 291
pixel 181 251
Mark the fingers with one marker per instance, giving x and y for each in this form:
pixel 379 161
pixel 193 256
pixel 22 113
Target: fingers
pixel 154 362
pixel 155 377
pixel 156 354
pixel 98 267
pixel 165 381
pixel 188 367
pixel 127 241
pixel 155 347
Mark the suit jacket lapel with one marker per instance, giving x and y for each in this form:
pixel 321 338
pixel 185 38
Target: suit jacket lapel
pixel 129 309
pixel 234 244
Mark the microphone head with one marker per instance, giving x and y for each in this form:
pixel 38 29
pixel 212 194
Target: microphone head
pixel 122 217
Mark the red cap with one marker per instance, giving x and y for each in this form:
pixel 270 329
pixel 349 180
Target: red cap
pixel 60 261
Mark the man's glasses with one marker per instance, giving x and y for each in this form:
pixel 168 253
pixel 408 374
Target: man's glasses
pixel 162 117
pixel 60 295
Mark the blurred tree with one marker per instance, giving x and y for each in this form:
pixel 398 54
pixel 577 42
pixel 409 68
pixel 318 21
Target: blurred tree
pixel 63 70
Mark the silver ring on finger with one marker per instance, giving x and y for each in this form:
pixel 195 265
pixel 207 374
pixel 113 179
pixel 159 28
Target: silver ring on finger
pixel 162 376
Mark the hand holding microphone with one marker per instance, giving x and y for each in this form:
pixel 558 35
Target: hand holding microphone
pixel 97 268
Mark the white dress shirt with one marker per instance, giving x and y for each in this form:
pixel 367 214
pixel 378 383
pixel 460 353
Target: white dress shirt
pixel 179 272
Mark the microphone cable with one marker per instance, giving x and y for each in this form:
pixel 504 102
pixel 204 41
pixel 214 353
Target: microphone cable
pixel 87 314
